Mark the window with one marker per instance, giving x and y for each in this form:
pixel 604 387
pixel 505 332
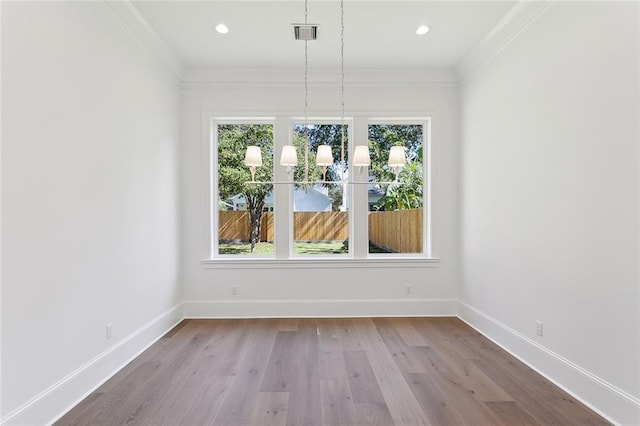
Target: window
pixel 311 212
pixel 245 210
pixel 321 203
pixel 396 210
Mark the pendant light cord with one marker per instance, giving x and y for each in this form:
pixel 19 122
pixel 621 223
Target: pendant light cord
pixel 306 97
pixel 342 84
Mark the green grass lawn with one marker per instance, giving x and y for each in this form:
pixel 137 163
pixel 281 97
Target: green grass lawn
pixel 319 248
pixel 245 248
pixel 298 248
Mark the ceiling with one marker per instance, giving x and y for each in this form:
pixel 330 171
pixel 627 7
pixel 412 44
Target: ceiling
pixel 378 34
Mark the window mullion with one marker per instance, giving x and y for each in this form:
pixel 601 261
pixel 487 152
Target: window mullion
pixel 282 193
pixel 359 207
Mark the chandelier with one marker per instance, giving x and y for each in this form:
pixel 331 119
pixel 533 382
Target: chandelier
pixel 324 156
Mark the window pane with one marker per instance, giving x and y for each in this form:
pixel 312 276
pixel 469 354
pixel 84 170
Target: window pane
pixel 245 209
pixel 395 209
pixel 320 204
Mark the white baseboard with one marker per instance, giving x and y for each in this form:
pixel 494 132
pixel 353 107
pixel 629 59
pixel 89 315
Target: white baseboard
pixel 319 308
pixel 610 402
pixel 53 402
pixel 50 404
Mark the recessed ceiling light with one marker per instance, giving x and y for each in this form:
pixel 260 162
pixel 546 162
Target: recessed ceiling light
pixel 222 28
pixel 422 29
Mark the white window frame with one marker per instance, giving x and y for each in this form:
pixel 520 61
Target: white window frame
pixel 348 122
pixel 213 184
pixel 425 122
pixel 358 256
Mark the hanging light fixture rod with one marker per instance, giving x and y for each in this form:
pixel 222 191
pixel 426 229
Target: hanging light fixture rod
pixel 361 158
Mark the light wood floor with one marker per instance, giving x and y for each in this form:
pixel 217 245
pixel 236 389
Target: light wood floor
pixel 384 371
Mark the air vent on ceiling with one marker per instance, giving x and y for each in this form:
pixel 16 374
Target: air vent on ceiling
pixel 305 32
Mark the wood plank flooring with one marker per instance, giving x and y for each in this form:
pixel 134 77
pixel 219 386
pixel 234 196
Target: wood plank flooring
pixel 365 371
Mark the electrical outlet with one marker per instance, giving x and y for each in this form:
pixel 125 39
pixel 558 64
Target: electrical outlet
pixel 109 331
pixel 539 328
pixel 409 288
pixel 234 290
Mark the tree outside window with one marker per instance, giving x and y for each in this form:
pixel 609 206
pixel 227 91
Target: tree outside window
pixel 235 193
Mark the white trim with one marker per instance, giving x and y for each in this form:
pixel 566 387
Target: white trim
pixel 320 262
pixel 209 125
pixel 427 173
pixel 603 397
pixel 406 77
pixel 607 400
pixel 212 170
pixel 516 21
pixel 45 407
pixel 319 308
pixel 127 17
pixel 293 84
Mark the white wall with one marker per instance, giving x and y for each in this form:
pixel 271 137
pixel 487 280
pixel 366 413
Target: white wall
pixel 89 203
pixel 322 289
pixel 90 223
pixel 549 200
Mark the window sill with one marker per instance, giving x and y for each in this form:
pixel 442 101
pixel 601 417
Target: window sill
pixel 310 263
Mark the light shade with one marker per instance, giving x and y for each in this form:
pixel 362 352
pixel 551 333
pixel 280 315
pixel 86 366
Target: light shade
pixel 397 157
pixel 289 157
pixel 253 156
pixel 361 156
pixel 324 157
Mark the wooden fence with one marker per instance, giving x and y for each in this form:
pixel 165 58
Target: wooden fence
pixel 398 231
pixel 307 226
pixel 234 226
pixel 320 226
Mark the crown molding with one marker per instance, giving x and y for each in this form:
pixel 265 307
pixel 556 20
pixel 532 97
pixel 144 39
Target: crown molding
pixel 127 17
pixel 517 20
pixel 199 77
